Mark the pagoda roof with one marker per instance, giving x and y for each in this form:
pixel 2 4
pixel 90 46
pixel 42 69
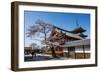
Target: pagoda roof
pixel 83 35
pixel 61 29
pixel 78 30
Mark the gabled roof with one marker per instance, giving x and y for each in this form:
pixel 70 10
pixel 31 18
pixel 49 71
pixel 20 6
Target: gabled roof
pixel 82 35
pixel 61 29
pixel 73 35
pixel 68 33
pixel 78 30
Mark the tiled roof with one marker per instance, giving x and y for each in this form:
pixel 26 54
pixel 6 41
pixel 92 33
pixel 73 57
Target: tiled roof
pixel 70 34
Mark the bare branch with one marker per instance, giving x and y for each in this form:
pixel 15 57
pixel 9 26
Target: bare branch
pixel 40 27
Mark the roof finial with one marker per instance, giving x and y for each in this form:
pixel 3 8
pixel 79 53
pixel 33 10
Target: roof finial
pixel 77 24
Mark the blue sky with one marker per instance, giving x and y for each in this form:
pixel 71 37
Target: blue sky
pixel 65 21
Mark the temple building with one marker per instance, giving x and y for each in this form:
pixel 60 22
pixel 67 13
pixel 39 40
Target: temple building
pixel 71 44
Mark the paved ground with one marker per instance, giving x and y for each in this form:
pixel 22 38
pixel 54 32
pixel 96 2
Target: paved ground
pixel 40 57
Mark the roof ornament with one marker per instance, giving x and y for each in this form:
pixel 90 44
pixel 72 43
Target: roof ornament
pixel 77 24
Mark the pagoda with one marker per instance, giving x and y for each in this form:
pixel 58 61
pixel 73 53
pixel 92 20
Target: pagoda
pixel 79 31
pixel 60 37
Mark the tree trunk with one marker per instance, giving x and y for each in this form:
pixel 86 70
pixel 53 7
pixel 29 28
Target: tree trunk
pixel 45 37
pixel 53 52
